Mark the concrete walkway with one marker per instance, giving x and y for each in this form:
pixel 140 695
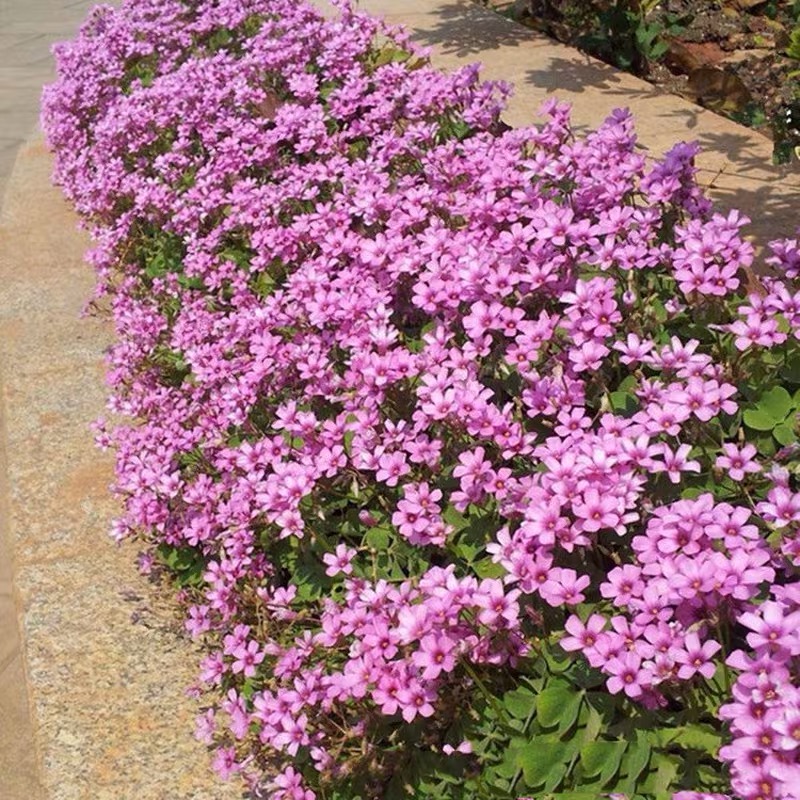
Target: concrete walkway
pixel 95 710
pixel 106 665
pixel 27 29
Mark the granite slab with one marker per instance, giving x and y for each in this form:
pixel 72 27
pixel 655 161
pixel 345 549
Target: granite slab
pixel 105 663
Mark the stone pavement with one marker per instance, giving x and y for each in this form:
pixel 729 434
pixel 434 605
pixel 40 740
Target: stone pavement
pixel 111 722
pixel 27 29
pixel 107 671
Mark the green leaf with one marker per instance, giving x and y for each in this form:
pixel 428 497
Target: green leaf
pixel 263 285
pixel 605 704
pixel 508 767
pixel 759 420
pixel 635 762
pixel 377 538
pixel 585 676
pixel 519 702
pixel 658 310
pixel 467 551
pixel 575 796
pixel 776 403
pixel 658 50
pixel 663 779
pixel 558 704
pixel 191 282
pixel 784 433
pixel 539 759
pixel 455 518
pixel 694 736
pixel 486 568
pixel 389 55
pixel 645 34
pixel 765 445
pixel 593 720
pixel 602 758
pixel 186 563
pixel 624 404
pixel 791 371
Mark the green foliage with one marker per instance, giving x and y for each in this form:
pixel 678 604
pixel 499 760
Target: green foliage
pixel 184 563
pixel 752 115
pixel 391 54
pixel 171 364
pixel 140 71
pixel 162 254
pixel 549 735
pixel 772 416
pixel 625 35
pixel 792 49
pixel 786 131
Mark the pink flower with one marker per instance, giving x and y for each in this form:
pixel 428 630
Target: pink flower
pixel 247 658
pixel 771 627
pixel 288 785
pixel 582 636
pixel 224 763
pixel 415 699
pixel 464 748
pixel 596 511
pixel 564 587
pixel 626 675
pixel 675 462
pixel 696 658
pixel 292 734
pixel 435 655
pixel 340 561
pixel 738 461
pixel 392 466
pixel 499 608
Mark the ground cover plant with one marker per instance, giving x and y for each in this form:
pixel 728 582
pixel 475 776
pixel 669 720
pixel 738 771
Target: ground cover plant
pixel 471 451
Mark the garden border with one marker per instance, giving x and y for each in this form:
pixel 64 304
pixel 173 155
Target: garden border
pixel 57 482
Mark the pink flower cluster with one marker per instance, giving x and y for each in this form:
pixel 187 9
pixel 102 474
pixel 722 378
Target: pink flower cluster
pixel 350 304
pixel 764 714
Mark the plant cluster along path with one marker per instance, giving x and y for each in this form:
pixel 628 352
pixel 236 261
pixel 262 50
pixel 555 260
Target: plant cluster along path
pixel 63 573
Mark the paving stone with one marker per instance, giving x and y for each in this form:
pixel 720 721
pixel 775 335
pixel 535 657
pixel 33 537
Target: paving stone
pixel 27 31
pixel 108 696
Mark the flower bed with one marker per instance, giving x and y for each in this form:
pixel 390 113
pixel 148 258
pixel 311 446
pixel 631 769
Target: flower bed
pixel 470 449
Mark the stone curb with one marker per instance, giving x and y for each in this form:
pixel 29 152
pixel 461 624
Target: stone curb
pixel 106 666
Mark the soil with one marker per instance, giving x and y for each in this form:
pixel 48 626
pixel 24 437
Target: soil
pixel 727 55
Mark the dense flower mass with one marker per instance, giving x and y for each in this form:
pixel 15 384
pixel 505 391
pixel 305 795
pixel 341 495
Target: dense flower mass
pixel 472 449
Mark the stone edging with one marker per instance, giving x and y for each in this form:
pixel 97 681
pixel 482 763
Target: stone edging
pixel 108 696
